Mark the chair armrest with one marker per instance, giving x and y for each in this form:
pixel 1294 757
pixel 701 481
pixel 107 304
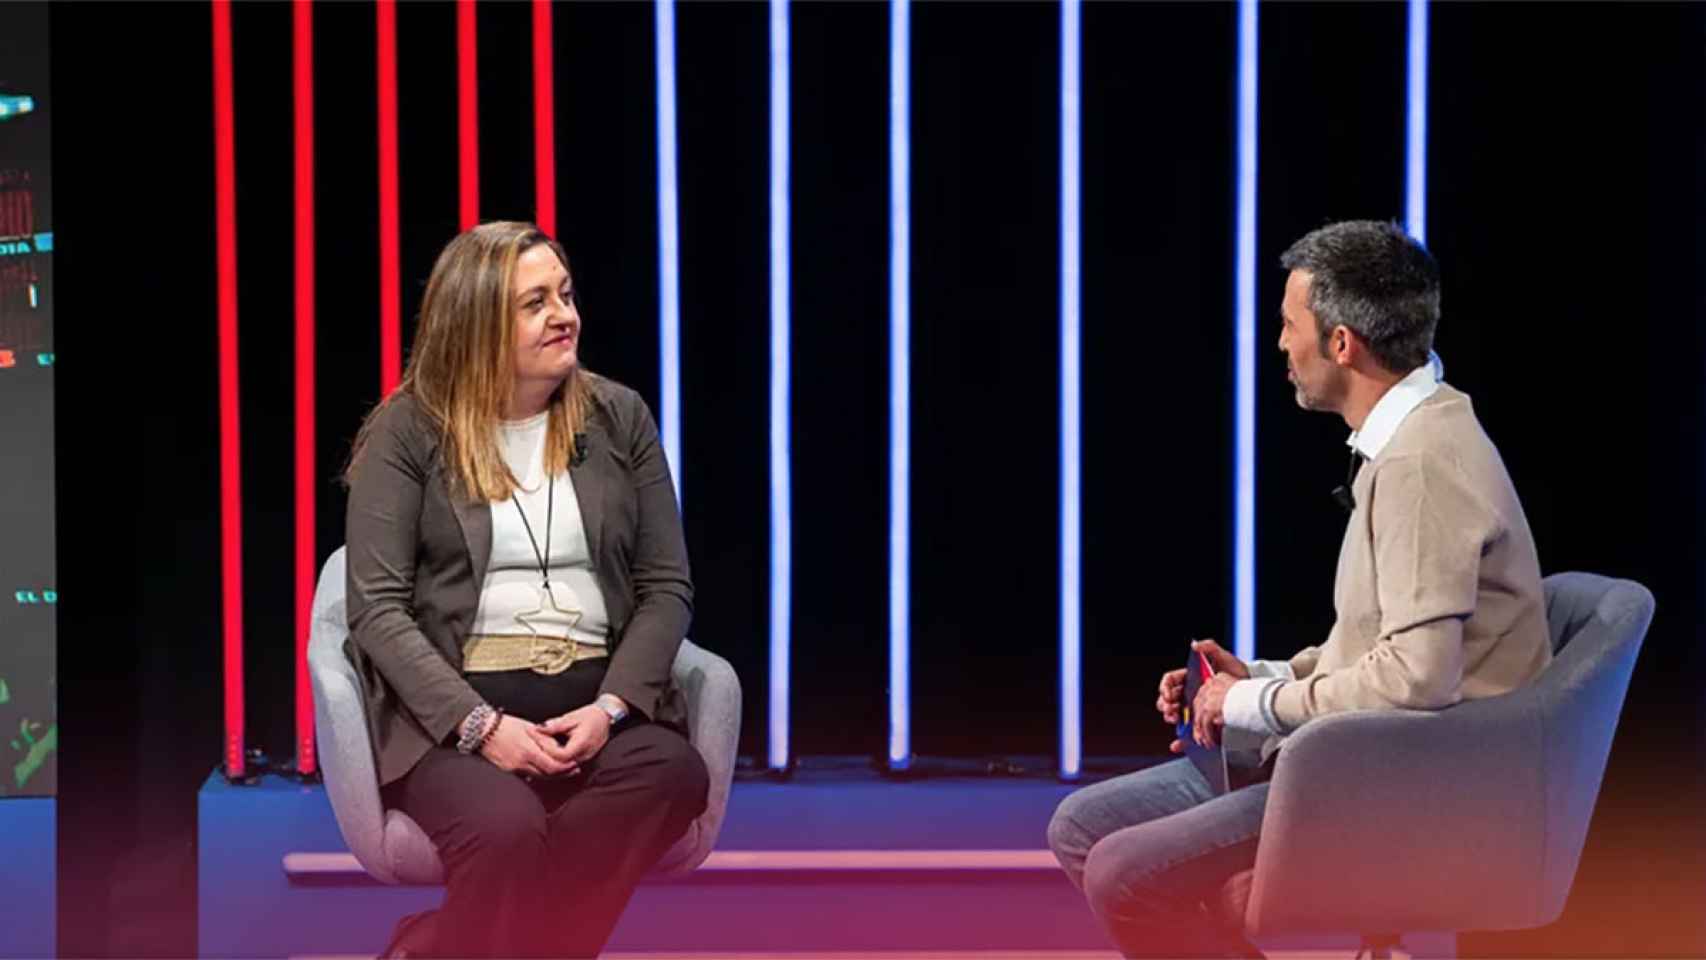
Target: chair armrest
pixel 340 727
pixel 713 698
pixel 1401 820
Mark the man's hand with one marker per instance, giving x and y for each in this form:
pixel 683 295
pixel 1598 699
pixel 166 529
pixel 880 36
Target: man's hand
pixel 1172 699
pixel 587 728
pixel 518 747
pixel 1208 713
pixel 1227 669
pixel 1221 660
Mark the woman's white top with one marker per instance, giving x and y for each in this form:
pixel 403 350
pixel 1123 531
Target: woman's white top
pixel 511 600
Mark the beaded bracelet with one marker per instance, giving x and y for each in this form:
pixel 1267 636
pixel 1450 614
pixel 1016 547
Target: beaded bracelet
pixel 479 726
pixel 491 728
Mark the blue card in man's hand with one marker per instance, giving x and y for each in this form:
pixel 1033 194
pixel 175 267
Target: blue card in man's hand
pixel 1211 761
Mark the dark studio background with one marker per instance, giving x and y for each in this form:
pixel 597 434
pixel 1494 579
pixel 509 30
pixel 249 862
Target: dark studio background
pixel 1567 187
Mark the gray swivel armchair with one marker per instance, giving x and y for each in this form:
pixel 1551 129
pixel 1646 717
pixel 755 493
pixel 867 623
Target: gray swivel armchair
pixel 390 845
pixel 1468 818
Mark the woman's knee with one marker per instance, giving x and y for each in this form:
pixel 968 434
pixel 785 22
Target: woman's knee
pixel 666 766
pixel 684 776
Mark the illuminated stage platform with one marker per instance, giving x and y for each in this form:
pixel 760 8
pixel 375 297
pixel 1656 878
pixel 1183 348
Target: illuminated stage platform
pixel 836 859
pixel 27 876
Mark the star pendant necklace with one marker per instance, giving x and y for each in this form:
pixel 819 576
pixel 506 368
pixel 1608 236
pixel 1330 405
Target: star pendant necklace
pixel 547 598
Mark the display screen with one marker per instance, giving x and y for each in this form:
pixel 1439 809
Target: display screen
pixel 29 733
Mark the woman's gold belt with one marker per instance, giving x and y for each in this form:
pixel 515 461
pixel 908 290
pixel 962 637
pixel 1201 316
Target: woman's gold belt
pixel 492 652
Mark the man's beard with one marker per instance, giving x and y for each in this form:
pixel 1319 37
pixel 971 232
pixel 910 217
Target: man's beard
pixel 1324 398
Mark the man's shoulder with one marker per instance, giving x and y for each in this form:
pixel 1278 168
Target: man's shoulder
pixel 1443 449
pixel 1447 404
pixel 1443 425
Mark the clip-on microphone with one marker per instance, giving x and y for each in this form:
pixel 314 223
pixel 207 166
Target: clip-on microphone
pixel 1342 494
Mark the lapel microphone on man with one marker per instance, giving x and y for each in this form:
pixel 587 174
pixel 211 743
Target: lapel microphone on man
pixel 1342 494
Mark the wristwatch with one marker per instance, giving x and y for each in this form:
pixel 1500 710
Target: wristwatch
pixel 612 707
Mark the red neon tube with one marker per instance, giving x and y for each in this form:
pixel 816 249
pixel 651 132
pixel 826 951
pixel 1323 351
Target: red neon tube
pixel 544 121
pixel 390 271
pixel 467 114
pixel 302 56
pixel 230 461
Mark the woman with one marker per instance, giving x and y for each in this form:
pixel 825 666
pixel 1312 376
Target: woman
pixel 518 588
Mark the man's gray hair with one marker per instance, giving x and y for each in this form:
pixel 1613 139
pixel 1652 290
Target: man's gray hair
pixel 1375 279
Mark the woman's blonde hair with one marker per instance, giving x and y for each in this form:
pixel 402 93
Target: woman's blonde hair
pixel 462 365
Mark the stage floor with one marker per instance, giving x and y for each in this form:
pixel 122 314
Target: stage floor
pixel 835 862
pixel 27 876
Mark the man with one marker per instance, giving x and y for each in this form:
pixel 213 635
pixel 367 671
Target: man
pixel 1437 596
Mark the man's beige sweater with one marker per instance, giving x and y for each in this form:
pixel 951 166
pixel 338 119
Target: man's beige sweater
pixel 1438 589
